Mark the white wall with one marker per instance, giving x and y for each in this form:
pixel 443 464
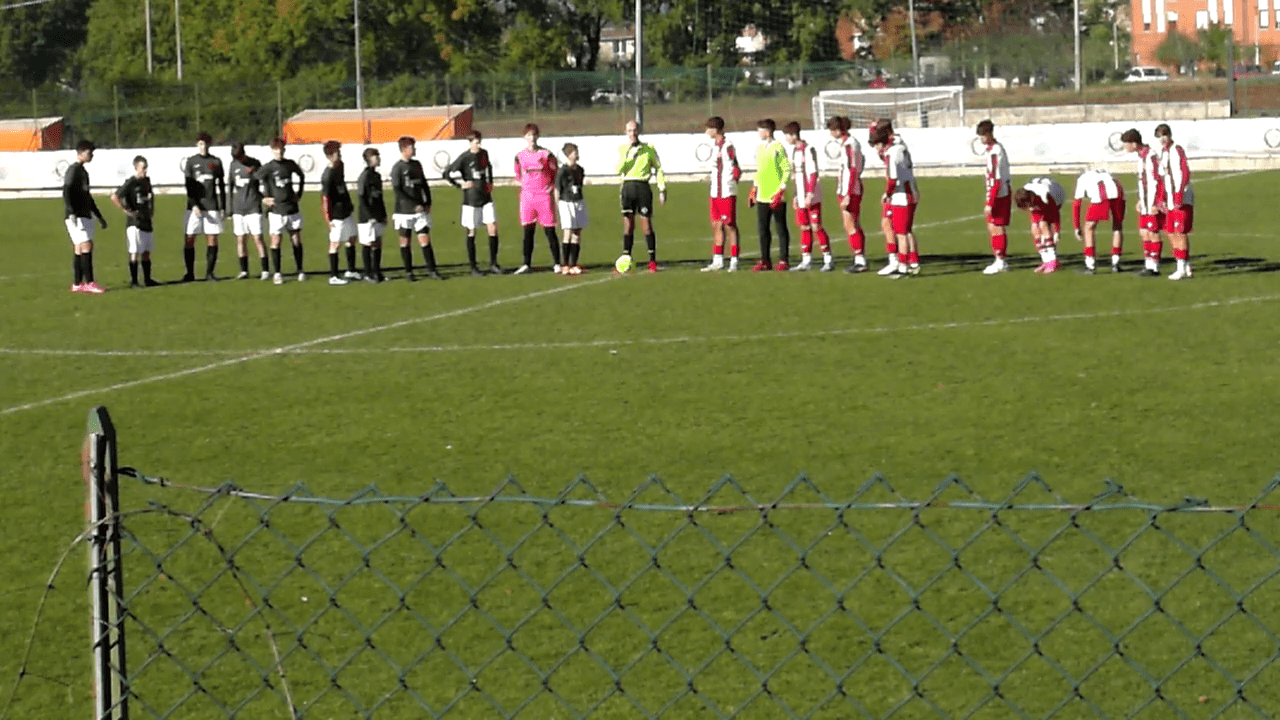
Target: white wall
pixel 955 149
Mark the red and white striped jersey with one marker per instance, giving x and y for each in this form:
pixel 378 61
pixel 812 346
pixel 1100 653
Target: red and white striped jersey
pixel 901 182
pixel 1150 184
pixel 1048 192
pixel 1176 173
pixel 851 164
pixel 725 171
pixel 998 178
pixel 1098 185
pixel 804 168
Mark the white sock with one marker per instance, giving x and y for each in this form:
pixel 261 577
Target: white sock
pixel 717 258
pixel 1115 259
pixel 1089 261
pixel 805 257
pixel 1050 253
pixel 859 259
pixel 1044 254
pixel 1182 265
pixel 826 256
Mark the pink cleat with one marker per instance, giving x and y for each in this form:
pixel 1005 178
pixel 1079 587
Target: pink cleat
pixel 1050 267
pixel 77 288
pixel 93 288
pixel 1040 269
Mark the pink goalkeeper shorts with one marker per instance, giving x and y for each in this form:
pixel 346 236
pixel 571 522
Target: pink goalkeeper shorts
pixel 537 208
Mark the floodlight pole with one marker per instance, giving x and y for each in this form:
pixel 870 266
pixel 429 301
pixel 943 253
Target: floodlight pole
pixel 359 77
pixel 147 18
pixel 177 33
pixel 915 50
pixel 639 66
pixel 1079 79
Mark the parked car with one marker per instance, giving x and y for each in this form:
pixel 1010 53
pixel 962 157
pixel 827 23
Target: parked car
pixel 1275 68
pixel 1146 74
pixel 611 96
pixel 1248 71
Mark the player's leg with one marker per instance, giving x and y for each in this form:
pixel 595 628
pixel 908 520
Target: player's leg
pixel 850 211
pixel 731 235
pixel 717 241
pixel 352 273
pixel 628 230
pixel 469 220
pixel 146 245
pixel 428 251
pixel 824 240
pixel 86 263
pixel 529 231
pixel 241 235
pixel 295 239
pixel 890 240
pixel 650 239
pixel 999 247
pixel 1117 243
pixel 806 238
pixel 909 237
pixel 491 227
pixel 335 242
pixel 784 236
pixel 765 232
pixel 1090 249
pixel 212 222
pixel 1180 226
pixel 547 219
pixel 404 228
pixel 132 241
pixel 253 224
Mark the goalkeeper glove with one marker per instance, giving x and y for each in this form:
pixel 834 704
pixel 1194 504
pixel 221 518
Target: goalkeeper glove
pixel 778 200
pixel 751 197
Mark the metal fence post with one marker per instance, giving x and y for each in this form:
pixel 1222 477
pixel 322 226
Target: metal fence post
pixel 115 96
pixel 106 576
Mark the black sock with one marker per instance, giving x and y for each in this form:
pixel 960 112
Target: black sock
pixel 146 270
pixel 266 265
pixel 628 240
pixel 528 245
pixel 429 257
pixel 406 256
pixel 244 263
pixel 651 241
pixel 554 243
pixel 78 268
pixel 565 253
pixel 575 251
pixel 377 260
pixel 297 257
pixel 784 236
pixel 333 264
pixel 493 249
pixel 189 257
pixel 366 255
pixel 86 266
pixel 471 250
pixel 133 272
pixel 275 258
pixel 351 257
pixel 210 259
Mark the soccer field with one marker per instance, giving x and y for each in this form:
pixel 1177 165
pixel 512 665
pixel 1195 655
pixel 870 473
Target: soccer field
pixel 1166 387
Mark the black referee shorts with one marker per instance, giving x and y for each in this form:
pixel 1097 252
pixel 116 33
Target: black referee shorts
pixel 637 198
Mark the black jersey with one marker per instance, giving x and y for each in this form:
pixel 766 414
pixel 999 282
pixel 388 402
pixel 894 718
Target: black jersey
pixel 569 182
pixel 76 198
pixel 277 179
pixel 372 206
pixel 473 167
pixel 410 186
pixel 246 189
pixel 206 183
pixel 136 197
pixel 336 197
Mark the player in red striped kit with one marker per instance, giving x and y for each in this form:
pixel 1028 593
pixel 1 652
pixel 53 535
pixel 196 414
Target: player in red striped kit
pixel 725 173
pixel 1179 200
pixel 808 200
pixel 998 208
pixel 1043 197
pixel 901 197
pixel 1106 201
pixel 1149 202
pixel 849 190
pixel 891 245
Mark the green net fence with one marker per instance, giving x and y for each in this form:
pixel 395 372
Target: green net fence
pixel 805 603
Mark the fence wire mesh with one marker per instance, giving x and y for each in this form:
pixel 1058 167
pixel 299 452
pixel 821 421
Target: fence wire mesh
pixel 799 605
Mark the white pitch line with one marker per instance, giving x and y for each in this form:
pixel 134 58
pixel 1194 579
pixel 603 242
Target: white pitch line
pixel 295 347
pixel 309 348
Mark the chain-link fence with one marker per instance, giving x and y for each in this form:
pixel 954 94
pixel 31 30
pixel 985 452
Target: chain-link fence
pixel 803 602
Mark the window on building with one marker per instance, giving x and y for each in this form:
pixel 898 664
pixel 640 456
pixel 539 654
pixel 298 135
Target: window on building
pixel 1278 19
pixel 1202 19
pixel 1146 27
pixel 1262 20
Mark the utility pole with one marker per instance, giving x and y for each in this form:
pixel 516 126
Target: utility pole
pixel 639 66
pixel 147 15
pixel 359 77
pixel 1079 79
pixel 915 50
pixel 177 32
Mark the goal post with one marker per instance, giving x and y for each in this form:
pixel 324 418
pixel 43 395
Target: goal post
pixel 941 106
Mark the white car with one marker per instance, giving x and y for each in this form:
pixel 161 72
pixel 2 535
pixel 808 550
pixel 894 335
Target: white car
pixel 1146 74
pixel 1275 68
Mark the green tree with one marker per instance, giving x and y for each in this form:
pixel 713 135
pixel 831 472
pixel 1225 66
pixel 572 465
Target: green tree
pixel 1213 42
pixel 38 42
pixel 1178 50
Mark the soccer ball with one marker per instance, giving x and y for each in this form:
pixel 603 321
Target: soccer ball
pixel 623 264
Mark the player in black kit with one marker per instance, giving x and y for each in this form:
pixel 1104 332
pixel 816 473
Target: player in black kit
pixel 373 215
pixel 206 199
pixel 335 204
pixel 282 198
pixel 476 173
pixel 413 208
pixel 79 209
pixel 136 200
pixel 246 209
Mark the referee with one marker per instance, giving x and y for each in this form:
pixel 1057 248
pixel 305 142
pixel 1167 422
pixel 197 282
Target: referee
pixel 638 161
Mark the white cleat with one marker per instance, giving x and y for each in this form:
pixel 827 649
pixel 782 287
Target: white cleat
pixel 913 269
pixel 733 265
pixel 828 266
pixel 265 275
pixel 278 279
pixel 889 269
pixel 997 266
pixel 244 275
pixel 715 266
pixel 302 277
pixel 351 275
pixel 804 266
pixel 1180 275
pixel 522 270
pixel 555 269
pixel 336 280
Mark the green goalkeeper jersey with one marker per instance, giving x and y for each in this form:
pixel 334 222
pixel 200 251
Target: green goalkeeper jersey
pixel 639 162
pixel 773 170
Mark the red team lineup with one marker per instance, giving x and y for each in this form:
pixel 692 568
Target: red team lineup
pixel 551 197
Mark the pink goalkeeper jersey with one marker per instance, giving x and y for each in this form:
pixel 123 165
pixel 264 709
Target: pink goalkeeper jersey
pixel 536 171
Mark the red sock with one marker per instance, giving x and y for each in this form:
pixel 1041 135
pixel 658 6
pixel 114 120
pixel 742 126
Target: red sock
pixel 1088 252
pixel 858 242
pixel 1146 248
pixel 902 258
pixel 733 250
pixel 717 250
pixel 824 240
pixel 1180 254
pixel 913 258
pixel 806 240
pixel 1157 249
pixel 891 248
pixel 1117 249
pixel 999 244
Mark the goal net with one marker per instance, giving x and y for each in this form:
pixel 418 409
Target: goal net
pixel 907 107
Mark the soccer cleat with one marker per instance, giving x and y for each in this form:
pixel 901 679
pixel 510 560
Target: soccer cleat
pixel 762 266
pixel 189 277
pixel 244 275
pixel 653 266
pixel 782 266
pixel 1040 268
pixel 433 275
pixel 804 266
pixel 715 266
pixel 277 279
pixel 856 268
pixel 77 288
pixel 556 268
pixel 1051 267
pixel 337 280
pixel 134 284
pixel 210 277
pixel 913 269
pixel 411 277
pixel 476 272
pixel 577 269
pixel 1180 274
pixel 1148 272
pixel 370 279
pixel 351 275
pixel 266 275
pixel 1115 268
pixel 94 288
pixel 522 270
pixel 496 269
pixel 150 283
pixel 302 277
pixel 997 266
pixel 890 268
pixel 733 265
pixel 828 266
pixel 1086 271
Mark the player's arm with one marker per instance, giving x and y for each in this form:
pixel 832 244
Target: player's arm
pixel 993 181
pixel 69 185
pixel 562 181
pixel 118 196
pixel 486 175
pixel 193 187
pixel 784 173
pixel 891 176
pixel 733 161
pixel 1179 189
pixel 220 183
pixel 326 190
pixel 1075 207
pixel 655 167
pixel 425 195
pixel 811 176
pixel 553 171
pixel 519 170
pixel 302 179
pixel 454 167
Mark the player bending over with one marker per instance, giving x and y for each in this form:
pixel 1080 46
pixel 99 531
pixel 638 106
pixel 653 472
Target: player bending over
pixel 373 216
pixel 135 199
pixel 412 214
pixel 1106 200
pixel 282 199
pixel 1149 203
pixel 79 209
pixel 901 196
pixel 536 172
pixel 206 197
pixel 1179 200
pixel 475 174
pixel 637 162
pixel 769 196
pixel 572 207
pixel 246 210
pixel 849 190
pixel 997 208
pixel 336 206
pixel 725 174
pixel 808 200
pixel 1043 198
pixel 886 223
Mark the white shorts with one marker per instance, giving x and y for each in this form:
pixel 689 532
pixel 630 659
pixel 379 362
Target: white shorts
pixel 417 222
pixel 250 224
pixel 573 214
pixel 80 229
pixel 278 223
pixel 139 241
pixel 371 232
pixel 208 222
pixel 473 217
pixel 342 230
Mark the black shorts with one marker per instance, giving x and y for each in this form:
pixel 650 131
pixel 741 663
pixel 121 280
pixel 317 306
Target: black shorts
pixel 637 197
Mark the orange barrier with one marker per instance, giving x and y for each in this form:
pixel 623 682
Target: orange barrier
pixel 379 126
pixel 31 135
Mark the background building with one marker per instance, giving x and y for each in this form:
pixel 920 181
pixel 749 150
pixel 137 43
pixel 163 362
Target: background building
pixel 1255 24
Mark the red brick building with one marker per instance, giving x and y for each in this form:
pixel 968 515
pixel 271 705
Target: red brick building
pixel 1255 24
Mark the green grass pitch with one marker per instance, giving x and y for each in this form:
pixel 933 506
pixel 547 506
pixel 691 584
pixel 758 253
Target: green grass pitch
pixel 1168 388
